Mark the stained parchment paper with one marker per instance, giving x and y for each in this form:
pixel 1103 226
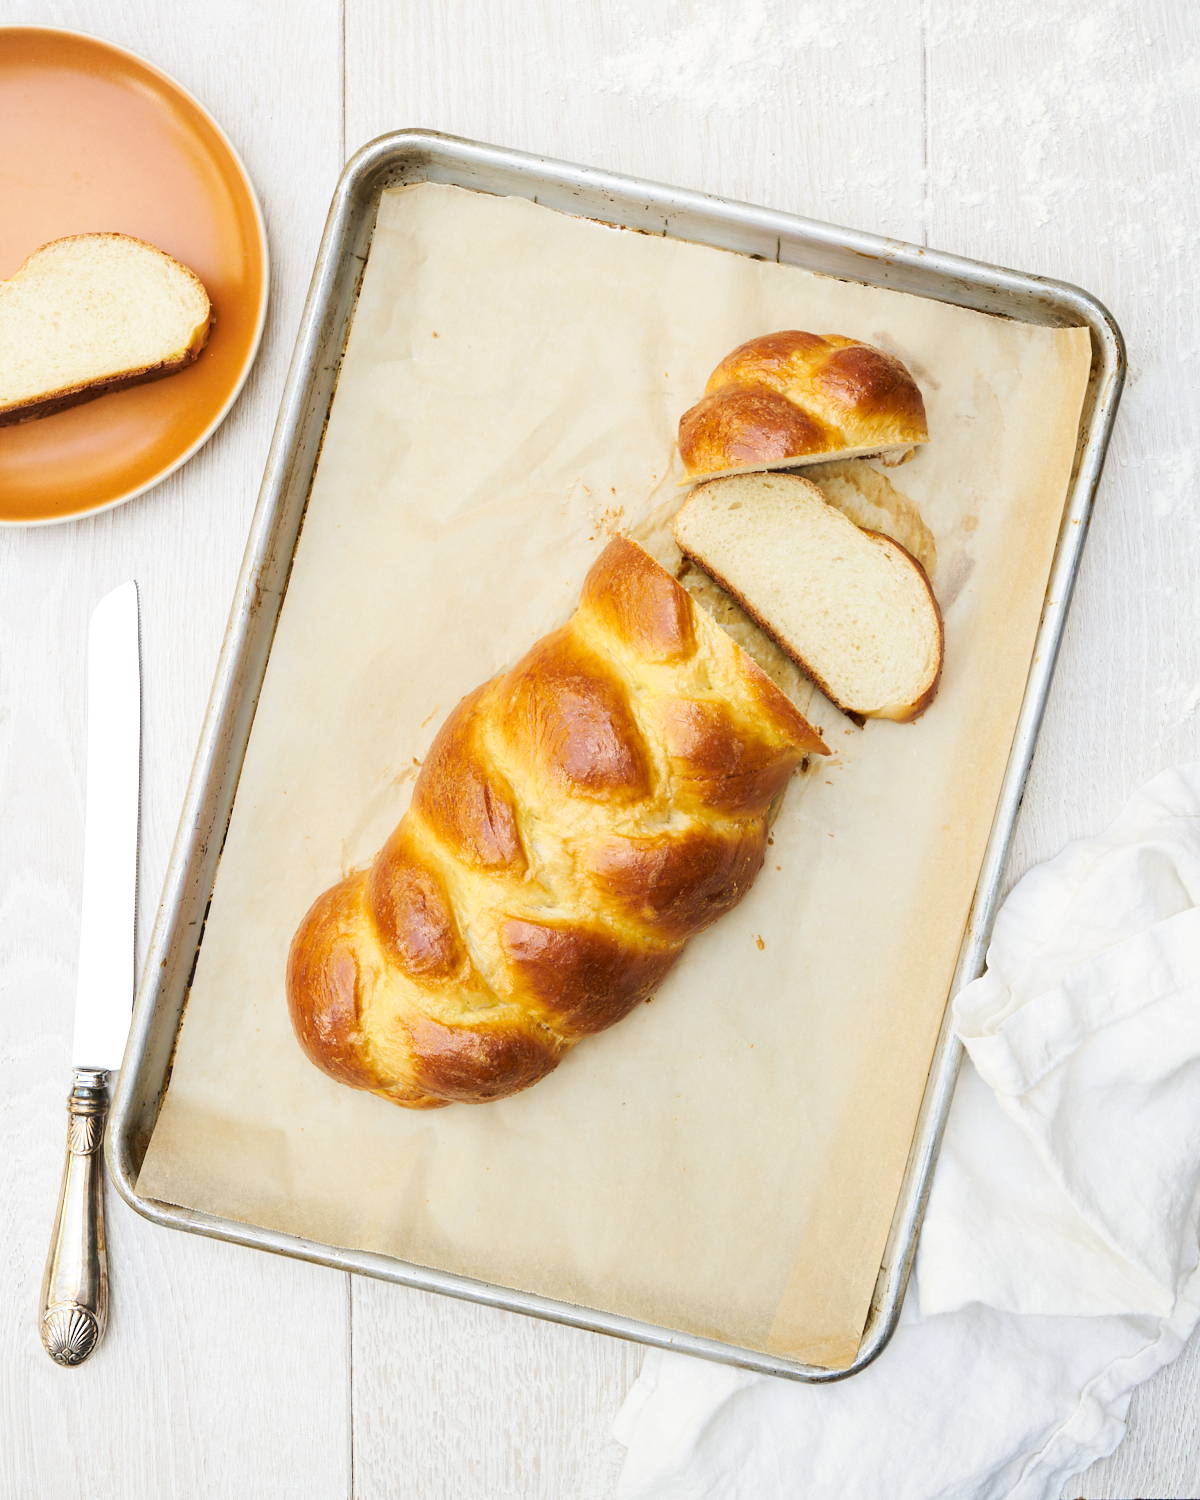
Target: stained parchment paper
pixel 727 1159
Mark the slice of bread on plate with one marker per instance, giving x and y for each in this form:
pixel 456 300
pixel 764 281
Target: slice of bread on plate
pixel 91 314
pixel 852 608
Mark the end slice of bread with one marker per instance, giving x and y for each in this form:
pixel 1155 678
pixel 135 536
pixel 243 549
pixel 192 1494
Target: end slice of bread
pixel 852 608
pixel 91 314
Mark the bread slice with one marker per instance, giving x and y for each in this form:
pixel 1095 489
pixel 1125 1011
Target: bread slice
pixel 91 314
pixel 852 608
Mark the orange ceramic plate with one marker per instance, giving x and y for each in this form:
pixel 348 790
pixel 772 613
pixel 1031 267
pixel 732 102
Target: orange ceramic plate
pixel 93 138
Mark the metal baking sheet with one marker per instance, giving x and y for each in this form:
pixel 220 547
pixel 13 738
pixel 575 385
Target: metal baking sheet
pixel 414 156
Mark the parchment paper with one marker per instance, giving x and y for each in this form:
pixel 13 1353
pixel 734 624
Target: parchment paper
pixel 727 1159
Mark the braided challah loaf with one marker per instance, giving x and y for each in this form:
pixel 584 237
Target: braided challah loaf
pixel 793 397
pixel 575 822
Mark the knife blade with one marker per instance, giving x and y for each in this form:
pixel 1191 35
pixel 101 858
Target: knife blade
pixel 104 997
pixel 74 1300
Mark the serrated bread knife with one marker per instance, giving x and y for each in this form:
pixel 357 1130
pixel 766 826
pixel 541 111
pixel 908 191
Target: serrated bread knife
pixel 74 1305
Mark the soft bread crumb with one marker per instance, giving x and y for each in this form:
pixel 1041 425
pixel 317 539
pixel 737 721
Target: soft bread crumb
pixel 90 313
pixel 654 534
pixel 852 608
pixel 874 503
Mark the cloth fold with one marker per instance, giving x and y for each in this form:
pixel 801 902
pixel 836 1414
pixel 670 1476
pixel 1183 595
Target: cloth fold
pixel 1058 1264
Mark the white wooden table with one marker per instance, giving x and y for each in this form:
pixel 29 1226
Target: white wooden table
pixel 1054 138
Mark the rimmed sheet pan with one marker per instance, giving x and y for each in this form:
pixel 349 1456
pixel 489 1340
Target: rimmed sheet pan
pixel 417 156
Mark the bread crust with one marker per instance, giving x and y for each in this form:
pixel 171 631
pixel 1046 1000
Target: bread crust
pixel 30 411
pixel 792 396
pixel 576 820
pixel 89 390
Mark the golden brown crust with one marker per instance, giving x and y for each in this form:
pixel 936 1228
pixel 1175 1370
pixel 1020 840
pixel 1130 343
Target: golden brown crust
pixel 864 382
pixel 567 718
pixel 464 800
pixel 722 766
pixel 677 884
pixel 411 909
pixel 744 425
pixel 323 986
pixel 575 821
pixel 586 978
pixel 639 603
pixel 473 1064
pixel 800 396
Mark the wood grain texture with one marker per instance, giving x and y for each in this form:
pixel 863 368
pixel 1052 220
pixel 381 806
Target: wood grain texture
pixel 454 1400
pixel 1063 141
pixel 212 1352
pixel 814 109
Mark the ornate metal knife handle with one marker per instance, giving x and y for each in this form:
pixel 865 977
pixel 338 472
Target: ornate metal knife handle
pixel 74 1305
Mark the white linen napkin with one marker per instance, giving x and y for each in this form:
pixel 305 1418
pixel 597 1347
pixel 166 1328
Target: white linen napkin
pixel 1057 1268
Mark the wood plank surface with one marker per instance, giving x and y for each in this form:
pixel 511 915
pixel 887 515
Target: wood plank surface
pixel 1057 139
pixel 801 108
pixel 454 1399
pixel 1063 140
pixel 224 1373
